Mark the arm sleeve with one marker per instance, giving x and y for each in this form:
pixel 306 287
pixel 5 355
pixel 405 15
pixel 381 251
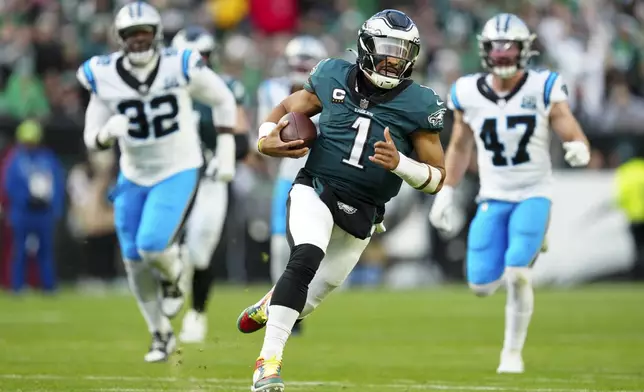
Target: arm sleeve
pixel 207 87
pixel 96 116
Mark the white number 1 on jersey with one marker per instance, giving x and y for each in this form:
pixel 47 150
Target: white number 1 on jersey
pixel 362 125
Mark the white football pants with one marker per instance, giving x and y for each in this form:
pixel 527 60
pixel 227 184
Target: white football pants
pixel 206 221
pixel 311 222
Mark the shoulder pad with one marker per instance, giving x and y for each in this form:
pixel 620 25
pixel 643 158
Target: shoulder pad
pixel 169 52
pixel 318 67
pixel 552 80
pixel 432 109
pixel 88 73
pixel 85 73
pixel 103 60
pixel 323 70
pixel 538 69
pixel 329 64
pixel 189 61
pixel 461 90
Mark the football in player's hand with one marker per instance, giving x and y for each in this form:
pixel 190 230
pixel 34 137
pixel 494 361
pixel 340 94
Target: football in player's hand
pixel 300 127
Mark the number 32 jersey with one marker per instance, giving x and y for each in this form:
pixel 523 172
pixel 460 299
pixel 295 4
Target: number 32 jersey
pixel 512 132
pixel 163 138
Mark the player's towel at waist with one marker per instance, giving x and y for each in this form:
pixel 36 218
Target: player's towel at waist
pixel 354 216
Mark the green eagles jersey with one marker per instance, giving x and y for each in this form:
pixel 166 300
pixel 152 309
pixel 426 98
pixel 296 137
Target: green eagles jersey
pixel 207 131
pixel 350 124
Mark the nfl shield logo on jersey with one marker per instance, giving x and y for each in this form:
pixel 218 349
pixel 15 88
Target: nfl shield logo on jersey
pixel 529 102
pixel 364 103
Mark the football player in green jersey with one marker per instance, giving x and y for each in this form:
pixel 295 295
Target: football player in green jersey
pixel 372 118
pixel 206 221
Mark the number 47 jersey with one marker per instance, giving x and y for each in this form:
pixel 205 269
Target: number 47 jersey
pixel 163 137
pixel 512 132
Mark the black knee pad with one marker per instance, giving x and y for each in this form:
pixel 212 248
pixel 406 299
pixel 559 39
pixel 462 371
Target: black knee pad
pixel 293 286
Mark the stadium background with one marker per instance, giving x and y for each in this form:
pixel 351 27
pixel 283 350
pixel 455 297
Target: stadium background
pixel 596 45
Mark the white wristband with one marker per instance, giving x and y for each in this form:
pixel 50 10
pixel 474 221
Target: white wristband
pixel 266 128
pixel 419 175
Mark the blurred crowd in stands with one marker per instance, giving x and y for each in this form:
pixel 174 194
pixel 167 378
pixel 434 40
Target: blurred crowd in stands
pixel 596 45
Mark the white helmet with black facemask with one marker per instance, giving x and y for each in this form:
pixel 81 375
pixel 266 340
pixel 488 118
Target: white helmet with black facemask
pixel 302 53
pixel 139 32
pixel 505 45
pixel 388 46
pixel 197 39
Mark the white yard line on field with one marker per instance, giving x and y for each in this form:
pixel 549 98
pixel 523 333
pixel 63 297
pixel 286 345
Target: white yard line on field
pixel 244 384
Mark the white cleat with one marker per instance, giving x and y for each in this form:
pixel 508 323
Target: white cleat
pixel 195 327
pixel 511 362
pixel 161 347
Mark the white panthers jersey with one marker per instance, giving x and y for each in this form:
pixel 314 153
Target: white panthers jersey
pixel 512 132
pixel 271 92
pixel 163 137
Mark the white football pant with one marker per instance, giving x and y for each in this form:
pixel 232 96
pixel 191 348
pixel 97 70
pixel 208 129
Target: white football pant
pixel 311 222
pixel 206 221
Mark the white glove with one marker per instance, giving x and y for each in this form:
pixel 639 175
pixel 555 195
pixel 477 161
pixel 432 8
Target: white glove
pixel 117 126
pixel 225 175
pixel 444 214
pixel 225 156
pixel 214 171
pixel 577 153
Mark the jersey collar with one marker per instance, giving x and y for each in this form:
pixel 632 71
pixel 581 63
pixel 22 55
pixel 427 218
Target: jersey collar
pixel 134 83
pixel 374 99
pixel 487 91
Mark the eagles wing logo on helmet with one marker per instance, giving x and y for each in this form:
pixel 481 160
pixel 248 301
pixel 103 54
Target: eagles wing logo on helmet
pixel 368 28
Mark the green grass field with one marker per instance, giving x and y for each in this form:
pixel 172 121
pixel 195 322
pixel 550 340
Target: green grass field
pixel 585 339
